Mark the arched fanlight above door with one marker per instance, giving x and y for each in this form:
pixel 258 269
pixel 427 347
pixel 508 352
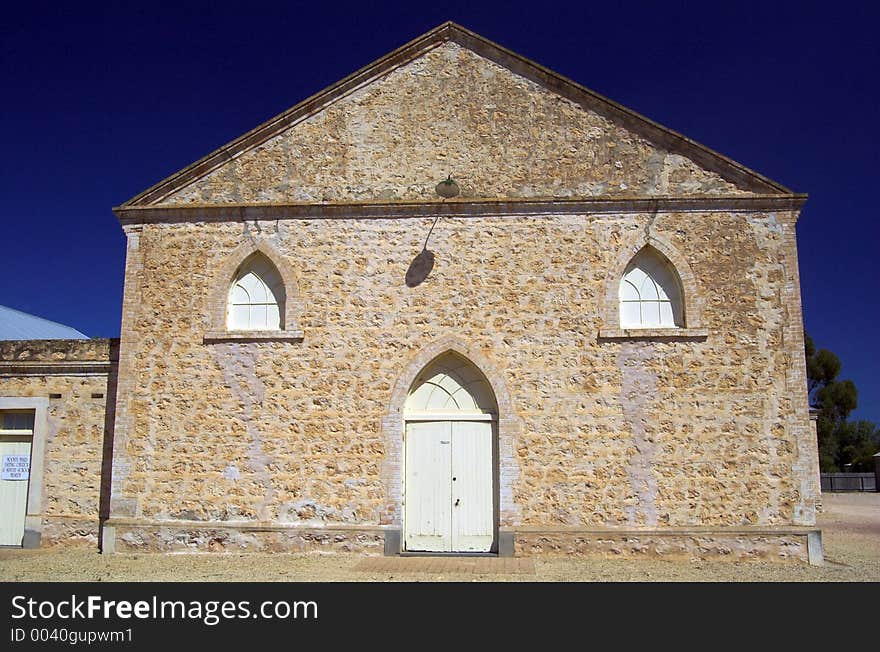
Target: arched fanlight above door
pixel 451 384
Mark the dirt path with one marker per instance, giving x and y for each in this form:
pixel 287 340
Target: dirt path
pixel 850 524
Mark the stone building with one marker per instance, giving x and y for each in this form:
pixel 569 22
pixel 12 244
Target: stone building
pixel 57 394
pixel 594 346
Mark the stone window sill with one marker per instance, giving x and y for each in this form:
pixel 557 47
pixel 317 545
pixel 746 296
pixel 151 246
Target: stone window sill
pixel 252 336
pixel 653 333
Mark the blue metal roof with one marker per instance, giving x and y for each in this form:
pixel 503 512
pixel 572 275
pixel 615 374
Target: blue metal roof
pixel 17 325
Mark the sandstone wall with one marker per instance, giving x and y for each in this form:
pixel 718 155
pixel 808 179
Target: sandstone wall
pixel 451 111
pixel 57 351
pixel 77 377
pixel 631 433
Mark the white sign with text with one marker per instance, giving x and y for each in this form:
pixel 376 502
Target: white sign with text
pixel 15 467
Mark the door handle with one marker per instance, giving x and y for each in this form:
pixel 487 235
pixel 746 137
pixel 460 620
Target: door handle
pixel 457 500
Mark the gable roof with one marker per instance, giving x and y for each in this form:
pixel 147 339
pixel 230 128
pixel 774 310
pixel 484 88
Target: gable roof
pixel 673 142
pixel 18 325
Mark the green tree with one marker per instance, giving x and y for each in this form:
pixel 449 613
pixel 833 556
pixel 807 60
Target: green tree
pixel 857 443
pixel 841 444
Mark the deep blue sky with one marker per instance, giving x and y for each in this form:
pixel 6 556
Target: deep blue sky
pixel 101 102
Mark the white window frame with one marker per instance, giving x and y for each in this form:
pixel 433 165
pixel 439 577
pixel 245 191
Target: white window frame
pixel 271 319
pixel 256 276
pixel 651 284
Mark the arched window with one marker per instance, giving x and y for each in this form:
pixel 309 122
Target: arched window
pixel 650 293
pixel 451 384
pixel 256 298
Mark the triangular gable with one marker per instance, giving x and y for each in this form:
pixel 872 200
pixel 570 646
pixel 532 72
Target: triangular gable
pixel 454 102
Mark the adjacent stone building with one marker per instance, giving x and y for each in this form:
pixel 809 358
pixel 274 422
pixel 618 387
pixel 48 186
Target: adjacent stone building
pixel 590 344
pixel 57 400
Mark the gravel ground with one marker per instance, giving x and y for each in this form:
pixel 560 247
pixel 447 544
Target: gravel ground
pixel 850 524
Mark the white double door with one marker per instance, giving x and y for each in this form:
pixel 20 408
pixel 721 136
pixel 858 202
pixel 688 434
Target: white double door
pixel 449 504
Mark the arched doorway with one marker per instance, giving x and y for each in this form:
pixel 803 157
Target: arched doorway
pixel 449 480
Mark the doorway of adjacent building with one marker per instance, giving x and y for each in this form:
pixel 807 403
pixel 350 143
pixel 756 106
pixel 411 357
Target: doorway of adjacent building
pixel 16 443
pixel 450 442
